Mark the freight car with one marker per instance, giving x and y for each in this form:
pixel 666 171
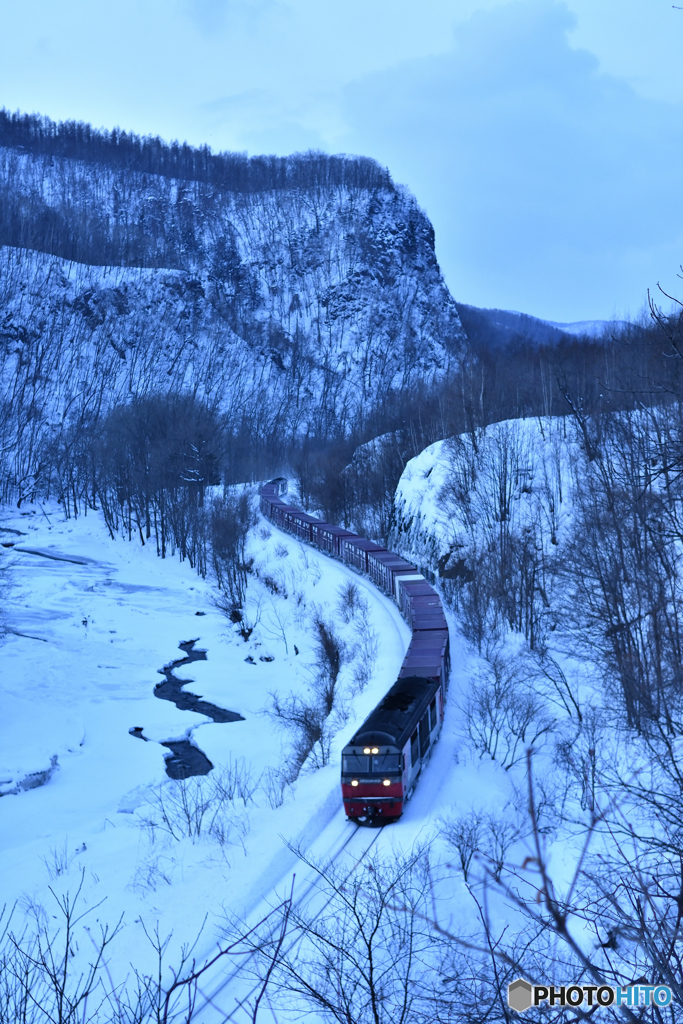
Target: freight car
pixel 382 761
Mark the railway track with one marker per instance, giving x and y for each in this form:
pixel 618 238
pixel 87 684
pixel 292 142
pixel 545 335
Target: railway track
pixel 212 1004
pixel 226 995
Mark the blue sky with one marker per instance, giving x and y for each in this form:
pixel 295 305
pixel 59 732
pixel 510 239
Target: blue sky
pixel 543 138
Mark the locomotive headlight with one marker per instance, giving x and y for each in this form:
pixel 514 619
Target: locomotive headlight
pixel 366 750
pixel 387 782
pixel 375 750
pixel 355 782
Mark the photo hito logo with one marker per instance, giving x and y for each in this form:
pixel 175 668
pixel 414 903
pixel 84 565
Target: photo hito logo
pixel 522 995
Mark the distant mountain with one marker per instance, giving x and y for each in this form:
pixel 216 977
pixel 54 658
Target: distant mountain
pixel 590 328
pixel 494 329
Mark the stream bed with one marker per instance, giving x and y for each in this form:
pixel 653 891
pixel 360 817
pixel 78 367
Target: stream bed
pixel 186 759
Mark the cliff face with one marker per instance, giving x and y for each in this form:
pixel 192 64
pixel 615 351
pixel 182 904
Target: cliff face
pixel 308 303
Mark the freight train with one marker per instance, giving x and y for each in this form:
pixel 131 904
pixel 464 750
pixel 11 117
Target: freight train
pixel 382 761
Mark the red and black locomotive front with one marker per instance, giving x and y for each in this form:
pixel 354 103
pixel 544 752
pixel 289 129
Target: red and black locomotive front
pixel 372 778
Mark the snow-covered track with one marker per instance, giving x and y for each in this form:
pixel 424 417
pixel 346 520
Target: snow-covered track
pixel 211 1008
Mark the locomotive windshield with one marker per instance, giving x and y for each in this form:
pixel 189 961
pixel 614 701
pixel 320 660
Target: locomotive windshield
pixel 386 763
pixel 361 764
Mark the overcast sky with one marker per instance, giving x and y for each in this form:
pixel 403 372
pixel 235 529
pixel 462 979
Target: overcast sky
pixel 543 138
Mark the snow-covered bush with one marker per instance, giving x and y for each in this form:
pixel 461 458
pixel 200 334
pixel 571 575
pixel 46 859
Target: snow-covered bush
pixel 486 837
pixel 202 806
pixel 505 715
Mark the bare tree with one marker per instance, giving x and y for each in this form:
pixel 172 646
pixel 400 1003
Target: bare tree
pixel 358 960
pixel 59 974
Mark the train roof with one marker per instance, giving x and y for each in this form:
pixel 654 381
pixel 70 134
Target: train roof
pixel 417 588
pixel 363 544
pixel 391 560
pixel 336 531
pixel 397 714
pixel 303 516
pixel 422 621
pixel 434 638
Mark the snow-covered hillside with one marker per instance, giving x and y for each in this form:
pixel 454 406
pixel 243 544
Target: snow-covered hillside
pixel 517 473
pixel 303 303
pixel 92 623
pixel 556 543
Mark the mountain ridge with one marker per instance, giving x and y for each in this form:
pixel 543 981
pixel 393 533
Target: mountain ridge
pixel 297 311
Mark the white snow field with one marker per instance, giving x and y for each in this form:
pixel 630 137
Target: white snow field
pixel 91 620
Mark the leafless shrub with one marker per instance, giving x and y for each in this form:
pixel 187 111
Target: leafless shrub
pixel 274 585
pixel 58 860
pixel 580 757
pixel 616 916
pixel 353 608
pixel 42 977
pixel 364 652
pixel 274 782
pixel 281 551
pixel 485 836
pixel 504 715
pixel 234 780
pixel 499 835
pixel 362 958
pixel 150 873
pixel 308 721
pixel 54 969
pixel 330 651
pixel 310 566
pixel 558 688
pixel 273 625
pixel 202 806
pixel 361 676
pixel 351 602
pixel 181 809
pixel 464 834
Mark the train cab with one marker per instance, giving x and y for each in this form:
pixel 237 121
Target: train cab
pixel 381 763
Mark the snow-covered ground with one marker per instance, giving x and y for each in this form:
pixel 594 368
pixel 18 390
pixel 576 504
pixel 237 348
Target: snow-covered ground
pixel 91 621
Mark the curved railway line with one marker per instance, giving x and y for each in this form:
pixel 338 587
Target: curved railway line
pixel 382 762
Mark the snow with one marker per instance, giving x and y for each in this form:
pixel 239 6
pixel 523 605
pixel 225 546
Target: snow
pixel 108 615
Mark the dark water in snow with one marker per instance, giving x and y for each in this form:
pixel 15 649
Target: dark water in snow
pixel 187 760
pixel 172 688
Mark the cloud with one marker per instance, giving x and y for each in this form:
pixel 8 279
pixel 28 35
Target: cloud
pixel 546 179
pixel 214 15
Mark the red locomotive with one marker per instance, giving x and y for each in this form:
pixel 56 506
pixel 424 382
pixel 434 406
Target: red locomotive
pixel 381 763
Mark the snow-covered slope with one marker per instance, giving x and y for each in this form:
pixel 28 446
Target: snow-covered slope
pixel 516 473
pixel 311 302
pixel 92 623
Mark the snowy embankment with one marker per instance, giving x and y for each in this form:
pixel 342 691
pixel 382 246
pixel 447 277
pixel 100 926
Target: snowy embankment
pixel 91 623
pixel 518 472
pixel 557 542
